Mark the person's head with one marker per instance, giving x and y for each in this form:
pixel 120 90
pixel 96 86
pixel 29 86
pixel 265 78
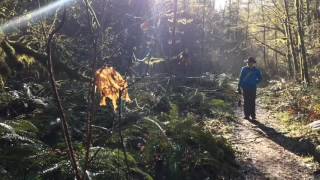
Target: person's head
pixel 251 62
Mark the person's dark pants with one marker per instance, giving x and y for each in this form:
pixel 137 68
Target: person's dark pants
pixel 249 102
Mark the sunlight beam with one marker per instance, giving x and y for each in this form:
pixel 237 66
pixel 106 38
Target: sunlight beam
pixel 33 16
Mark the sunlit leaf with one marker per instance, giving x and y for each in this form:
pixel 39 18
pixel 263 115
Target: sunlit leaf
pixel 145 26
pixel 111 84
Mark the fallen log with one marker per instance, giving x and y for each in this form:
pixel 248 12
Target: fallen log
pixel 315 125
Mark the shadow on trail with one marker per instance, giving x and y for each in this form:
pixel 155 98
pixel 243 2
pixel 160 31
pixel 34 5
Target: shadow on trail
pixel 297 145
pixel 249 171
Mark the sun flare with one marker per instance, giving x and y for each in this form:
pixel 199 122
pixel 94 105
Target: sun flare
pixel 33 16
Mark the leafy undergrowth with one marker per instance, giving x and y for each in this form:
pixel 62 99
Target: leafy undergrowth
pixel 173 129
pixel 296 106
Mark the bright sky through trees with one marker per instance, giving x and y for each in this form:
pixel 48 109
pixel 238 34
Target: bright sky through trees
pixel 219 4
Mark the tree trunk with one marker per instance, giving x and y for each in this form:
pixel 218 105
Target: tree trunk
pixel 317 10
pixel 289 53
pixel 230 19
pixel 308 12
pixel 237 20
pixel 248 18
pixel 213 4
pixel 275 53
pixel 203 37
pixel 264 36
pixel 302 48
pixel 309 20
pixel 317 20
pixel 291 41
pixel 203 28
pixel 175 8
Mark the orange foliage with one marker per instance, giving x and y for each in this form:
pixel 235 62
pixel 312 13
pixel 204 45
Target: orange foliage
pixel 145 26
pixel 110 83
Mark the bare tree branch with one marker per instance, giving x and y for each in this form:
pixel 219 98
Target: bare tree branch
pixel 268 46
pixel 65 126
pixel 91 18
pixel 42 59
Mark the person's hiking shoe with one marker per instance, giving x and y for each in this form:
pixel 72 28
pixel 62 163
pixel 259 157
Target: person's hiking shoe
pixel 246 117
pixel 254 118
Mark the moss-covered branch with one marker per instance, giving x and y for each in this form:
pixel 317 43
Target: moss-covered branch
pixel 41 58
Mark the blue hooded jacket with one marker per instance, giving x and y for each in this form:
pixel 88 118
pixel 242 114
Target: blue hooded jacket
pixel 249 78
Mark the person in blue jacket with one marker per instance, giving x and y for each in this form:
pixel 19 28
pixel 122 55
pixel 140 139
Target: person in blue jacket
pixel 250 76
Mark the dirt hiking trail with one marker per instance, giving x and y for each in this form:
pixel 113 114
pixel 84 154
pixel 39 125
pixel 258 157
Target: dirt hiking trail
pixel 262 152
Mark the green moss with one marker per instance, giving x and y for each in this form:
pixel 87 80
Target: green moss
pixel 25 59
pixel 5 99
pixel 1 83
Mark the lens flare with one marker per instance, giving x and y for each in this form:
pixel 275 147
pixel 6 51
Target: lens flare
pixel 33 16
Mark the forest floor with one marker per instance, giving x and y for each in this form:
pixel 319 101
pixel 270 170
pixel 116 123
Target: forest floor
pixel 263 149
